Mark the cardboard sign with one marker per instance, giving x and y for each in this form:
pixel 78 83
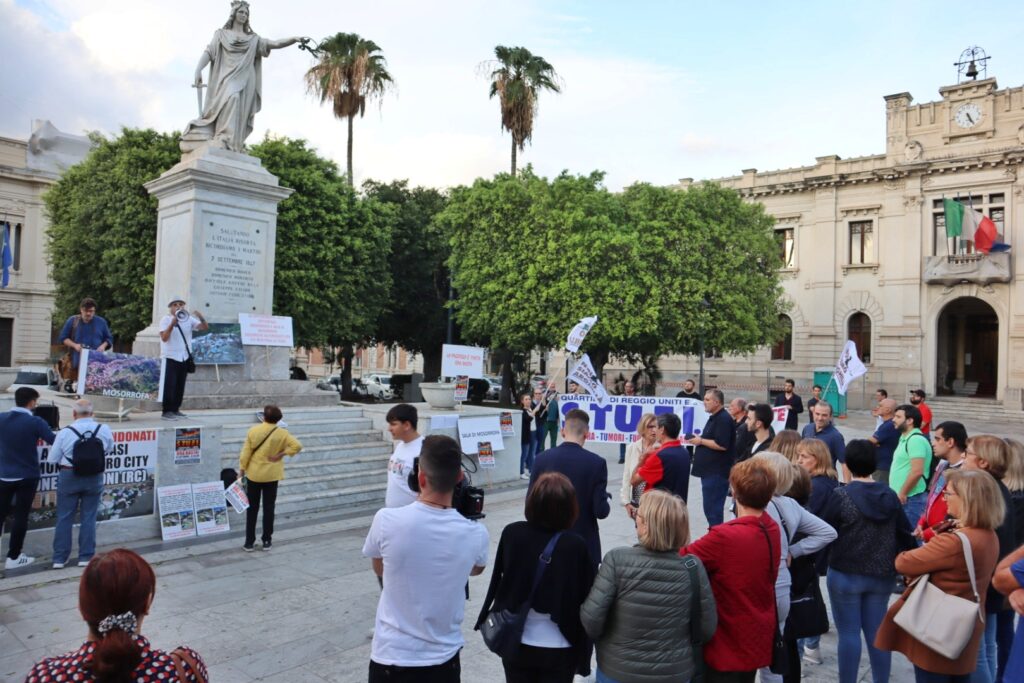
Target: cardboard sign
pixel 459 361
pixel 476 430
pixel 177 511
pixel 779 416
pixel 461 388
pixel 266 330
pixel 485 456
pixel 211 508
pixel 235 494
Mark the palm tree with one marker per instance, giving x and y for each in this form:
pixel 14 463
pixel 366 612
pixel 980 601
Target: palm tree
pixel 350 71
pixel 518 76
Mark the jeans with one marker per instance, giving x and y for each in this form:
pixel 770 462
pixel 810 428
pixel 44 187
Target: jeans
pixel 714 489
pixel 922 676
pixel 1004 640
pixel 255 490
pixel 73 492
pixel 17 495
pixel 914 507
pixel 986 669
pixel 448 672
pixel 526 455
pixel 541 665
pixel 537 440
pixel 602 677
pixel 175 374
pixel 859 604
pixel 622 453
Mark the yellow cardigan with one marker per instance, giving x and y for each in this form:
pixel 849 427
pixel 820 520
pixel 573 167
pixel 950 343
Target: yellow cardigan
pixel 255 464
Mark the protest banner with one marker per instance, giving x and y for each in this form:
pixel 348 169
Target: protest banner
pixel 188 442
pixel 585 376
pixel 266 330
pixel 485 456
pixel 507 428
pixel 617 421
pixel 221 344
pixel 473 430
pixel 459 361
pixel 127 480
pixel 235 494
pixel 211 508
pixel 119 375
pixel 848 368
pixel 579 333
pixel 461 388
pixel 177 511
pixel 779 416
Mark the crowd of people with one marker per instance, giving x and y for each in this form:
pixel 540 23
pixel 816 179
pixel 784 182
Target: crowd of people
pixel 932 519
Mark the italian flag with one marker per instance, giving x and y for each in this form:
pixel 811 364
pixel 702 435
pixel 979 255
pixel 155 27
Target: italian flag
pixel 966 222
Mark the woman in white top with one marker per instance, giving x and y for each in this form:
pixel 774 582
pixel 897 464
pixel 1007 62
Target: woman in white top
pixel 646 430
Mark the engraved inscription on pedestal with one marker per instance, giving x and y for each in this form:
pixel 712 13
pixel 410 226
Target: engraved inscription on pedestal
pixel 233 259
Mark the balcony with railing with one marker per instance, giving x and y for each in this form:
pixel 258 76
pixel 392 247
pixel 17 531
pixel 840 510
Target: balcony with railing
pixel 974 268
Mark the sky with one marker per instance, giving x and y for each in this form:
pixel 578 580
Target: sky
pixel 652 91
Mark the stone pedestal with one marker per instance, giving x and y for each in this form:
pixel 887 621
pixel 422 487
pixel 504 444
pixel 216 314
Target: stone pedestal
pixel 216 232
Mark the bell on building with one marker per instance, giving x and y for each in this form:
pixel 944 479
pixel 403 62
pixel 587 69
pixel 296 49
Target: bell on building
pixel 972 71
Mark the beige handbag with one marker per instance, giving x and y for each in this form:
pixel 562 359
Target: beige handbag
pixel 941 621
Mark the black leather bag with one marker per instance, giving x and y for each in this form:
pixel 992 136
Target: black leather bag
pixel 807 613
pixel 190 362
pixel 503 629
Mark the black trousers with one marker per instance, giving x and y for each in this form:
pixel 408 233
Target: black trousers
pixel 448 672
pixel 175 375
pixel 17 496
pixel 712 676
pixel 541 665
pixel 268 492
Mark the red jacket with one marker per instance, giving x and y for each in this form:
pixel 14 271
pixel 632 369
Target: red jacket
pixel 742 574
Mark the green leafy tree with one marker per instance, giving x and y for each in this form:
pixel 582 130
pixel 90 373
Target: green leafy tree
pixel 102 236
pixel 517 77
pixel 331 272
pixel 415 315
pixel 350 71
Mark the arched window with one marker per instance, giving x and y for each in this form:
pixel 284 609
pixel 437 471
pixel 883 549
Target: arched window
pixel 858 329
pixel 783 349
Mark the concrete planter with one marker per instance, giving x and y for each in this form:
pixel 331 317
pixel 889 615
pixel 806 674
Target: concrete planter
pixel 439 395
pixel 7 377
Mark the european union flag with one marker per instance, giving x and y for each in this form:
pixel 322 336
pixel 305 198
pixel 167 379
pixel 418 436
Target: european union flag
pixel 8 257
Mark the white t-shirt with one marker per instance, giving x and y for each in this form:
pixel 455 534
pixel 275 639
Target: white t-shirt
pixel 428 554
pixel 399 467
pixel 174 347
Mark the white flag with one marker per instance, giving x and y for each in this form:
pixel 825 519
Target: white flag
pixel 584 375
pixel 848 368
pixel 572 344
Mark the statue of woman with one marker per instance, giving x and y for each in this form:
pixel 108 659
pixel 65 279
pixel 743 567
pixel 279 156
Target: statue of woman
pixel 235 56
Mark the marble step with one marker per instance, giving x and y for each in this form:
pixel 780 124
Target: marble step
pixel 352 451
pixel 332 481
pixel 369 496
pixel 343 430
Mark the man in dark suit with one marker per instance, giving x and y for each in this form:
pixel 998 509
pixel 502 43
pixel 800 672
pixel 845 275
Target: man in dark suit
pixel 20 432
pixel 588 473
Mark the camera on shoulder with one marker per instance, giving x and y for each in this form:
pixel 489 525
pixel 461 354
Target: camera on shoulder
pixel 468 500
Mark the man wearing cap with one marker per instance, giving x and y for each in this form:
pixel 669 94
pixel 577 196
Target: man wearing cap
pixel 175 349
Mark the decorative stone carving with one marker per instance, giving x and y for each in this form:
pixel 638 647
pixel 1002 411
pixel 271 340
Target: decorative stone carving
pixel 912 201
pixel 913 151
pixel 979 269
pixel 10 307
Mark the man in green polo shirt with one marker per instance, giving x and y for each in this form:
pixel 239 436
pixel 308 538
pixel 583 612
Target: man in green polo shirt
pixel 910 462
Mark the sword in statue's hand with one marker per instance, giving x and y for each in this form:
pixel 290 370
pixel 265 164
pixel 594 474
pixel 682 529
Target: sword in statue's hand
pixel 199 85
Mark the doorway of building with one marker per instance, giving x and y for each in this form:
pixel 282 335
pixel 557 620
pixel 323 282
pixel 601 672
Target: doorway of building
pixel 6 341
pixel 968 349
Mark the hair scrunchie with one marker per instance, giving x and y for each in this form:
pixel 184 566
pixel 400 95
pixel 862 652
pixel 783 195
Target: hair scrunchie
pixel 125 622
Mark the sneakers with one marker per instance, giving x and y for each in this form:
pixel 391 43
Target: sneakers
pixel 266 545
pixel 169 416
pixel 20 561
pixel 83 563
pixel 525 475
pixel 812 655
pixel 58 565
pixel 180 415
pixel 248 548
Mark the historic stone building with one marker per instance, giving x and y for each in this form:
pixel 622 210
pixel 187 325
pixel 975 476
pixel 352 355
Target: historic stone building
pixel 27 170
pixel 866 255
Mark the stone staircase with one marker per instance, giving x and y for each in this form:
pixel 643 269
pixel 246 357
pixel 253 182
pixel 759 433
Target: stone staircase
pixel 963 409
pixel 342 465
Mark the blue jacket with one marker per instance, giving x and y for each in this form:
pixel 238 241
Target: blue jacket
pixel 832 438
pixel 588 473
pixel 20 432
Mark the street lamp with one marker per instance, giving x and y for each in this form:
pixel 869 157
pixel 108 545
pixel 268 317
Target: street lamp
pixel 705 305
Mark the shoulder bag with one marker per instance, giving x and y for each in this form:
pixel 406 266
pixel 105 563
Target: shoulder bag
pixel 503 628
pixel 696 636
pixel 940 621
pixel 190 362
pixel 780 658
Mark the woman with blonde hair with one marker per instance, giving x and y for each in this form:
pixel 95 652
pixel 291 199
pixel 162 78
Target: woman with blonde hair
pixel 786 442
pixel 794 522
pixel 813 457
pixel 649 605
pixel 975 503
pixel 646 431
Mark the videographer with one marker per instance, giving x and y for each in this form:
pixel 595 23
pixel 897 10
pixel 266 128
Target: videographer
pixel 176 349
pixel 83 331
pixel 425 551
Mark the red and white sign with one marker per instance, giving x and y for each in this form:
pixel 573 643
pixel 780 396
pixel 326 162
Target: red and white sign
pixel 779 416
pixel 266 330
pixel 459 361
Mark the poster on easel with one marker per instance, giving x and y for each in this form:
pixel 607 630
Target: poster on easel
pixel 461 388
pixel 119 375
pixel 177 512
pixel 485 456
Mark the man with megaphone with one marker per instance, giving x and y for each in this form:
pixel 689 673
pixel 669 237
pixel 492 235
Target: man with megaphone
pixel 176 350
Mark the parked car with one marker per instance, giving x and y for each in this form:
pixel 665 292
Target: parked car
pixel 494 390
pixel 378 386
pixel 359 389
pixel 332 383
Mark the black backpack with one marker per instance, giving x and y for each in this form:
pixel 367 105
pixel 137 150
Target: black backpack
pixel 933 462
pixel 88 457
